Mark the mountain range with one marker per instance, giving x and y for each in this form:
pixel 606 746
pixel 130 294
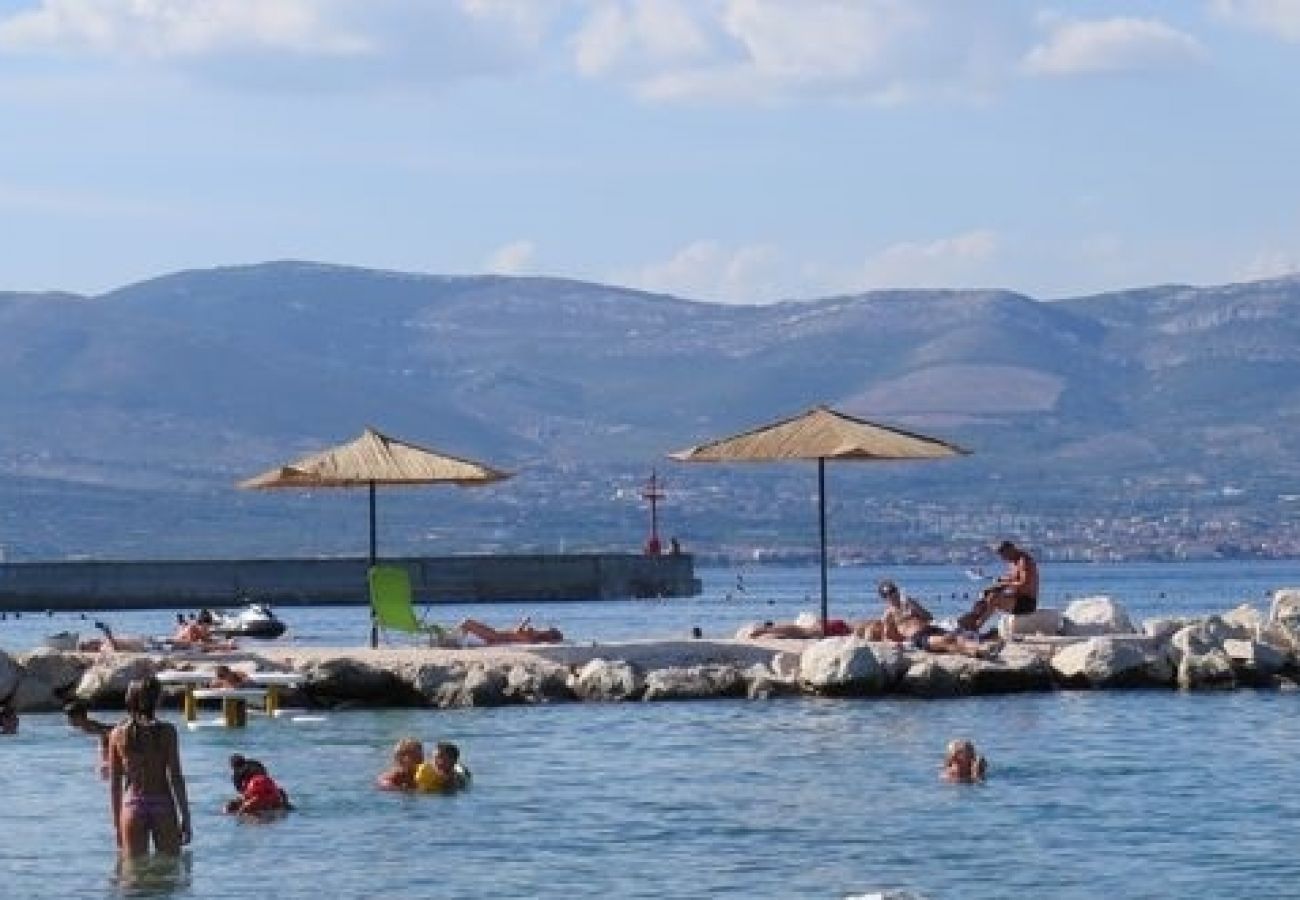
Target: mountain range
pixel 128 416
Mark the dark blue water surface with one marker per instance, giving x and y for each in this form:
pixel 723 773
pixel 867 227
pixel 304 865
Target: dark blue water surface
pixel 1121 794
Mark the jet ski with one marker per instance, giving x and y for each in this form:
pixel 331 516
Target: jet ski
pixel 253 621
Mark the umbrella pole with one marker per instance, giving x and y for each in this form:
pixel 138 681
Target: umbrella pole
pixel 374 625
pixel 821 509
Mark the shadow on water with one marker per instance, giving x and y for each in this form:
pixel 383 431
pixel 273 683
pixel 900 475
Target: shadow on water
pixel 154 875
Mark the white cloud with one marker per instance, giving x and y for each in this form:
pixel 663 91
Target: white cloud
pixel 958 261
pixel 288 43
pixel 1111 45
pixel 1277 17
pixel 707 270
pixel 640 35
pixel 776 50
pixel 178 28
pixel 512 259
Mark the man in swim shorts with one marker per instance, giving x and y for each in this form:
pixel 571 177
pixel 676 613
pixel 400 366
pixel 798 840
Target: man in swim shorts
pixel 1015 592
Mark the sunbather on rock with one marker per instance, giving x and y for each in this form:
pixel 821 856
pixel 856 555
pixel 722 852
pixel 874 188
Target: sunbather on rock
pixel 523 633
pixel 906 621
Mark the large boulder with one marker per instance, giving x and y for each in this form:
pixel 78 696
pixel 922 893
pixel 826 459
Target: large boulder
pixel 1016 669
pixel 1093 616
pixel 61 671
pixel 1211 669
pixel 1254 662
pixel 1205 636
pixel 694 683
pixel 1041 622
pixel 545 684
pixel 1245 617
pixel 841 666
pixel 1165 627
pixel 344 678
pixel 602 679
pixel 934 677
pixel 763 683
pixel 105 682
pixel 1103 662
pixel 482 686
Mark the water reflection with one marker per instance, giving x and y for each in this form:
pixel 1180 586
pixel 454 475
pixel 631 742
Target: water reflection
pixel 156 875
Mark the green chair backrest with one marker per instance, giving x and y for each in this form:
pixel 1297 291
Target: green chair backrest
pixel 390 599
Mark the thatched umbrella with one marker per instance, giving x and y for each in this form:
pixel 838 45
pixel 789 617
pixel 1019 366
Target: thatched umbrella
pixel 821 433
pixel 375 459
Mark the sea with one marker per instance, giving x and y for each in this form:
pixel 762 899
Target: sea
pixel 1110 794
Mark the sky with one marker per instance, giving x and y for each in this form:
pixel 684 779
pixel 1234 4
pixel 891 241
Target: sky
pixel 741 151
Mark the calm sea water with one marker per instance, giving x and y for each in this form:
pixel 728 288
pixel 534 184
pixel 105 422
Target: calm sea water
pixel 1145 794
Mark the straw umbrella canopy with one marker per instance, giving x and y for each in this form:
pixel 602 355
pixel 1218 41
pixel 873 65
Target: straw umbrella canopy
pixel 374 459
pixel 821 433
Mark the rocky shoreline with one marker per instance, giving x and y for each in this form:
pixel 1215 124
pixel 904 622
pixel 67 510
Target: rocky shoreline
pixel 1100 650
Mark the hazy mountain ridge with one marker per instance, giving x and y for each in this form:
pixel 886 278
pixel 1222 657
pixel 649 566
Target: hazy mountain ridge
pixel 187 381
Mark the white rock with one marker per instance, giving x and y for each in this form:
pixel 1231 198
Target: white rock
pixel 785 665
pixel 1089 616
pixel 1285 606
pixel 1205 635
pixel 1256 657
pixel 1106 662
pixel 1246 617
pixel 1164 627
pixel 601 679
pixel 842 665
pixel 1211 669
pixel 1039 622
pixel 694 683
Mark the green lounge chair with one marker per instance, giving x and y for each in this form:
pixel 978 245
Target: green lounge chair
pixel 390 604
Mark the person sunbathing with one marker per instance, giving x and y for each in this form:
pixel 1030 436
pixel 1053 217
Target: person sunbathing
pixel 523 633
pixel 908 622
pixel 225 677
pixel 811 630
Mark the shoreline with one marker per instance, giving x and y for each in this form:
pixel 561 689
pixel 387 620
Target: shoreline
pixel 1239 648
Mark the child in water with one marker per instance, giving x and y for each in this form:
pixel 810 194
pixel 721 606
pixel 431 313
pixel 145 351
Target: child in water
pixel 445 773
pixel 408 756
pixel 258 793
pixel 962 765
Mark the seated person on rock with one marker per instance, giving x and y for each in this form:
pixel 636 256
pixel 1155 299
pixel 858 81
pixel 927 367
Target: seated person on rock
pixel 1015 592
pixel 908 622
pixel 523 633
pixel 114 643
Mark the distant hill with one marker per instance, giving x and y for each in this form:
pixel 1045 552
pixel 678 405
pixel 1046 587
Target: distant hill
pixel 127 414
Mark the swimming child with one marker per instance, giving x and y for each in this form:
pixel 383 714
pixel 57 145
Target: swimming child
pixel 258 792
pixel 408 756
pixel 445 773
pixel 962 765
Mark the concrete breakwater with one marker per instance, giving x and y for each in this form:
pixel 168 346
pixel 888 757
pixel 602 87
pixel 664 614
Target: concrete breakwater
pixel 1237 649
pixel 164 584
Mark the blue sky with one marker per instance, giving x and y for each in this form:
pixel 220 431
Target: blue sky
pixel 731 150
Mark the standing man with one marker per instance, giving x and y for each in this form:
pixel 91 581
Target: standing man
pixel 1015 592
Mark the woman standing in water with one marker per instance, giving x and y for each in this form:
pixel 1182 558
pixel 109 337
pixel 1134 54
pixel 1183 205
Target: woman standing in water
pixel 146 785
